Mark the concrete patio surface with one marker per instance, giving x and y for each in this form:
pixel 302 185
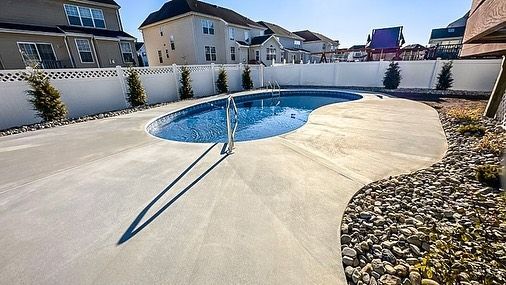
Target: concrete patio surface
pixel 102 202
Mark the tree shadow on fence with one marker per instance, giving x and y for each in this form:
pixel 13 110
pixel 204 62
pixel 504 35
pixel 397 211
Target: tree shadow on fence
pixel 135 228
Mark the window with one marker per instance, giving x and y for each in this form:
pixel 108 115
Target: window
pixel 98 18
pixel 161 32
pixel 324 46
pixel 160 58
pixel 167 53
pixel 208 27
pixel 86 18
pixel 82 16
pixel 246 36
pixel 84 49
pixel 451 30
pixel 232 53
pixel 126 51
pixel 210 53
pixel 35 53
pixel 73 15
pixel 231 34
pixel 271 53
pixel 257 55
pixel 172 43
pixel 296 44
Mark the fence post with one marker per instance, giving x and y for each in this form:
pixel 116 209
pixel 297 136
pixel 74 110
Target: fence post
pixel 434 73
pixel 213 75
pixel 121 77
pixel 336 74
pixel 261 75
pixel 176 78
pixel 379 77
pixel 300 73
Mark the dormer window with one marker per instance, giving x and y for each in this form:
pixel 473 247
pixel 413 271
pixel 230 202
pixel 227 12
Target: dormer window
pixel 83 16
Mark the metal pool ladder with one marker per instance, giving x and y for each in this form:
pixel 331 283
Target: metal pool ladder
pixel 231 131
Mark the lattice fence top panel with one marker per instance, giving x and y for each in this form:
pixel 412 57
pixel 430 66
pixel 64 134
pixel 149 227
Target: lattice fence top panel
pixel 81 73
pixel 195 68
pixel 12 76
pixel 151 70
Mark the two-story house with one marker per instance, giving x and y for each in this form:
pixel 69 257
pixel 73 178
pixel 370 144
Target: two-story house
pixel 63 34
pixel 195 32
pixel 321 47
pixel 291 43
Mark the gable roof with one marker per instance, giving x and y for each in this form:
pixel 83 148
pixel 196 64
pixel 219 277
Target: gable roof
pixel 414 47
pixel 259 40
pixel 462 22
pixel 357 47
pixel 138 45
pixel 179 7
pixel 445 33
pixel 273 29
pixel 386 38
pixel 309 36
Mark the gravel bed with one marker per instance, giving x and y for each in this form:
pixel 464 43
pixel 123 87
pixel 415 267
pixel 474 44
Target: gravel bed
pixel 47 125
pixel 434 226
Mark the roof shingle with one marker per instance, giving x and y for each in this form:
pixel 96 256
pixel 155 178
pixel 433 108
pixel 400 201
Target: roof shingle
pixel 179 7
pixel 273 29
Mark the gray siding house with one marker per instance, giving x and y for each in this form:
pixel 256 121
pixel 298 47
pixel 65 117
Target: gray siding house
pixel 63 34
pixel 292 50
pixel 321 47
pixel 195 32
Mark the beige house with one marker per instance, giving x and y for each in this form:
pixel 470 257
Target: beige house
pixel 195 32
pixel 63 34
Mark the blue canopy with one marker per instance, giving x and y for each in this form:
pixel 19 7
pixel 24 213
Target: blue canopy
pixel 387 38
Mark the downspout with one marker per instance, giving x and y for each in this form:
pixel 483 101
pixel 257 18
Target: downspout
pixel 95 51
pixel 65 39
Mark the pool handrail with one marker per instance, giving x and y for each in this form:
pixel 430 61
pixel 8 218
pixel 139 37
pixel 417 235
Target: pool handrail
pixel 230 131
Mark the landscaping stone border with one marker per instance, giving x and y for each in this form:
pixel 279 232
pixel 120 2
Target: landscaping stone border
pixel 439 223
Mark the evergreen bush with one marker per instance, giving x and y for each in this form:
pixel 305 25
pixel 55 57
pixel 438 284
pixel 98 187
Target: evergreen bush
pixel 247 83
pixel 221 83
pixel 136 93
pixel 44 97
pixel 393 76
pixel 186 91
pixel 445 77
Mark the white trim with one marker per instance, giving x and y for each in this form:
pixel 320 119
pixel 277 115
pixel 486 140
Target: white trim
pixel 14 31
pixel 81 17
pixel 79 52
pixel 95 52
pixel 106 39
pixel 79 35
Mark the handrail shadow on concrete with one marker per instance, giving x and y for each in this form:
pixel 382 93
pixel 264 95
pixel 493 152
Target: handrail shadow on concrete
pixel 134 228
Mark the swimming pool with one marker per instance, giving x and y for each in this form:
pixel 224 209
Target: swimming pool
pixel 260 115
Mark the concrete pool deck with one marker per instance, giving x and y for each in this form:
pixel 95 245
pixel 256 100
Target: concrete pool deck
pixel 102 202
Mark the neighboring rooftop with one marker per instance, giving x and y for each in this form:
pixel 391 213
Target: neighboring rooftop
pixel 414 47
pixel 309 36
pixel 179 7
pixel 278 30
pixel 445 33
pixel 386 38
pixel 462 22
pixel 357 47
pixel 260 40
pixel 138 45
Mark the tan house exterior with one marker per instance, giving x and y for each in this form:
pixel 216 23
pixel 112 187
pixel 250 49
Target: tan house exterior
pixel 195 32
pixel 63 34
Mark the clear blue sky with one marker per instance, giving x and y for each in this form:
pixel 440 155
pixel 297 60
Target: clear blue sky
pixel 348 21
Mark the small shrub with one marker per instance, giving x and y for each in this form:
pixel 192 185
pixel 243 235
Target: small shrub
pixel 247 83
pixel 445 77
pixel 136 93
pixel 467 115
pixel 44 97
pixel 186 91
pixel 472 129
pixel 493 142
pixel 393 76
pixel 489 175
pixel 221 83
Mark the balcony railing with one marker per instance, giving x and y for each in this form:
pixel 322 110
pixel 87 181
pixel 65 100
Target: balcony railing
pixel 444 52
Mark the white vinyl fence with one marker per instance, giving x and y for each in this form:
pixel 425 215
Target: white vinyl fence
pixel 470 75
pixel 92 91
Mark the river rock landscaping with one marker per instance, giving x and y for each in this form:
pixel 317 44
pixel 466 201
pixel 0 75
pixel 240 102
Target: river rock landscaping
pixel 442 225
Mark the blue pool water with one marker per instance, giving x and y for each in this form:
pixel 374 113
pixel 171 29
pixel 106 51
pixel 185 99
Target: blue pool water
pixel 260 116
